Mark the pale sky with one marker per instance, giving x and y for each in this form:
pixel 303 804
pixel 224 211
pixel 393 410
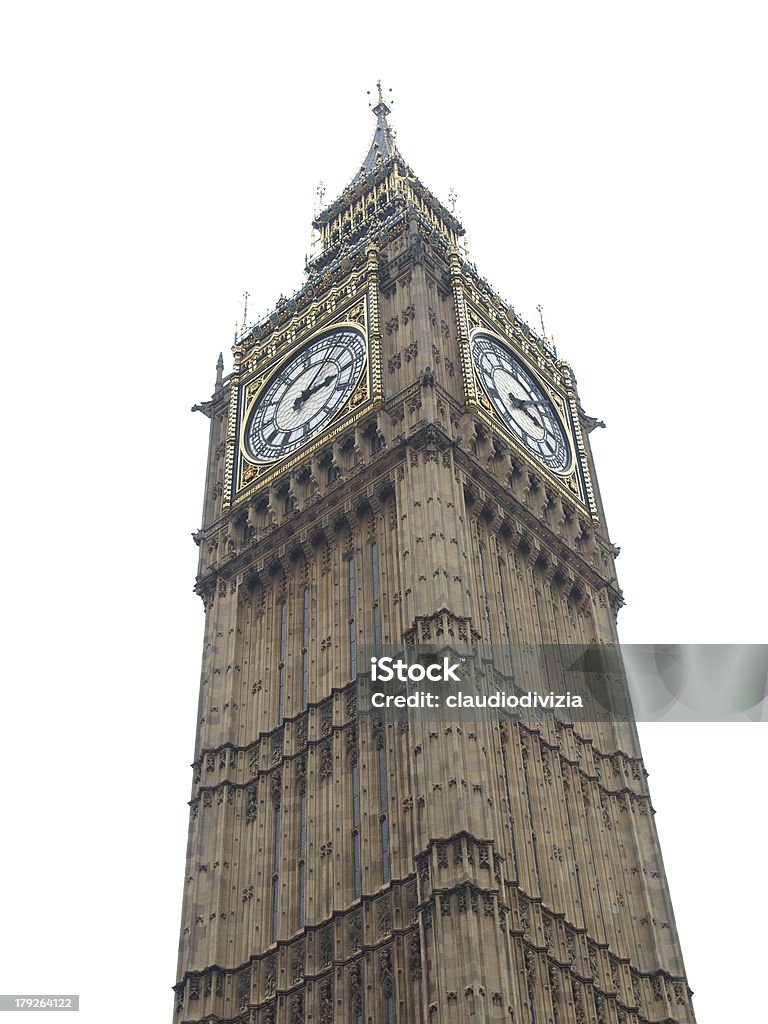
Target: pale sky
pixel 160 159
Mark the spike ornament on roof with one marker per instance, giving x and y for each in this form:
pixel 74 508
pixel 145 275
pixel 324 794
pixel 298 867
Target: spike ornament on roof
pixel 383 145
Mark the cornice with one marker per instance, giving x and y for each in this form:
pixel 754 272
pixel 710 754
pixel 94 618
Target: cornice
pixel 527 520
pixel 304 523
pixel 337 916
pixel 341 501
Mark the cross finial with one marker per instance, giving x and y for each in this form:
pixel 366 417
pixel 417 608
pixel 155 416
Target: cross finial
pixel 381 109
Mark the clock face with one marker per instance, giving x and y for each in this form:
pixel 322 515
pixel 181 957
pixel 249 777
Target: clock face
pixel 304 394
pixel 521 403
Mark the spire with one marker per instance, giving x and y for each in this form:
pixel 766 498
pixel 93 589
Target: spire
pixel 383 145
pixel 376 200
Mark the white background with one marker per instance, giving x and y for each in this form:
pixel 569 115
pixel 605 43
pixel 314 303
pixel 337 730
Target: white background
pixel 159 159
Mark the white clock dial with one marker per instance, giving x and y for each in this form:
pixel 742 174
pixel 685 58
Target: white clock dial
pixel 521 403
pixel 304 394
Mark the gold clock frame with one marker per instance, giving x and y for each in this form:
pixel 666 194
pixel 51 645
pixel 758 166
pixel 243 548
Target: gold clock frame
pixel 247 474
pixel 576 483
pixel 253 391
pixel 557 402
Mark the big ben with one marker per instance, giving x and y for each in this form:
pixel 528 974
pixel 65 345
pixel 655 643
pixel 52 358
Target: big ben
pixel 398 460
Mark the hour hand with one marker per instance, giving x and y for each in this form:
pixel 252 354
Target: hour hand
pixel 313 387
pixel 523 404
pixel 320 385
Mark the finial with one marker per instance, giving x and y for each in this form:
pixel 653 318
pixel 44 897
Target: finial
pixel 540 310
pixel 452 200
pixel 320 193
pixel 383 146
pixel 549 343
pixel 246 296
pixel 381 109
pixel 219 371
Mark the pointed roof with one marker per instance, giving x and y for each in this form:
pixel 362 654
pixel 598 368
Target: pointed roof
pixel 376 200
pixel 383 145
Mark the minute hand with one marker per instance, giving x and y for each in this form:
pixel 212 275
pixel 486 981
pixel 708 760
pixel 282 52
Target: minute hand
pixel 319 387
pixel 523 403
pixel 313 387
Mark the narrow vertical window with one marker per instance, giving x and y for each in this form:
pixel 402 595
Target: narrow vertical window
pixel 302 853
pixel 275 906
pixel 355 795
pixel 351 619
pixel 510 825
pixel 390 1010
pixel 276 861
pixel 276 875
pixel 305 651
pixel 356 830
pixel 486 609
pixel 384 835
pixel 356 863
pixel 382 780
pixel 505 765
pixel 302 822
pixel 504 607
pixel 375 595
pixel 534 843
pixel 574 846
pixel 383 821
pixel 283 607
pixel 301 893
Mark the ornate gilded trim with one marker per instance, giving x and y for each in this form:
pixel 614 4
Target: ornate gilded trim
pixel 462 327
pixel 247 474
pixel 577 482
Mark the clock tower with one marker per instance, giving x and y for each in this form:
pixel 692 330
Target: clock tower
pixel 396 461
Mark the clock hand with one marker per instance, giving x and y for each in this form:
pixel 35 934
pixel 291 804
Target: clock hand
pixel 317 374
pixel 323 384
pixel 522 403
pixel 312 389
pixel 307 391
